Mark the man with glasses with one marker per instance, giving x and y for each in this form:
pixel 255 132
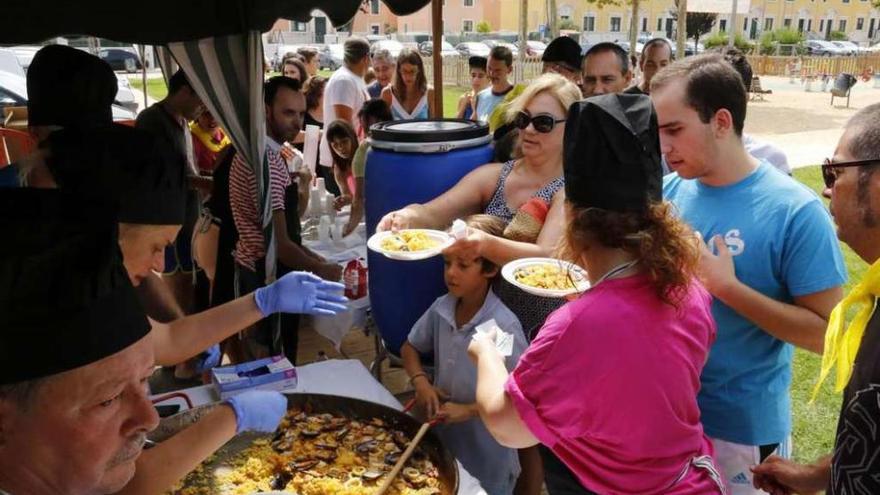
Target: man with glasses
pixel 770 259
pixel 853 183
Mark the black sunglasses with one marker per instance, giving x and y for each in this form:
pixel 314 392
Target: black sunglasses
pixel 543 122
pixel 830 168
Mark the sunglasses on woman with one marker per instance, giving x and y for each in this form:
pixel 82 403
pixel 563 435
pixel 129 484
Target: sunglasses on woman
pixel 543 122
pixel 831 169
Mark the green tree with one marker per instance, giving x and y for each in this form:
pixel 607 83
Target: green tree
pixel 838 36
pixel 697 23
pixel 484 27
pixel 568 24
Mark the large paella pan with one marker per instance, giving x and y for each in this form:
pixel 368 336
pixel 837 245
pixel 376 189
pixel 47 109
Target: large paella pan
pixel 328 445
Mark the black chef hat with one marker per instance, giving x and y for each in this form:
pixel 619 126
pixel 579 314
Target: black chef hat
pixel 69 88
pixel 131 167
pixel 563 50
pixel 612 153
pixel 478 62
pixel 65 297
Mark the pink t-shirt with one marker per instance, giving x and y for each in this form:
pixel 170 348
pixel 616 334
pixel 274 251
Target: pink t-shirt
pixel 610 386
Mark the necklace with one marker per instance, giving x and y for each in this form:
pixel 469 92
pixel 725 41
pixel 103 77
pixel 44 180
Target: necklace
pixel 617 270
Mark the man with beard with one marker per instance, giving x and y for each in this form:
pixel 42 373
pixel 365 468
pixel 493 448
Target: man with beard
pixel 285 106
pixel 852 182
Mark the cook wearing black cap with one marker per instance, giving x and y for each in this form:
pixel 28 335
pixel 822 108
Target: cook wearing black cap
pixel 145 181
pixel 629 350
pixel 563 56
pixel 75 354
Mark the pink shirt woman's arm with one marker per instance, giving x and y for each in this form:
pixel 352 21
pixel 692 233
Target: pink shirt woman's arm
pixel 494 405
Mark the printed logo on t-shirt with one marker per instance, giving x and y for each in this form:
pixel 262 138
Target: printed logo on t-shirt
pixel 734 243
pixel 741 479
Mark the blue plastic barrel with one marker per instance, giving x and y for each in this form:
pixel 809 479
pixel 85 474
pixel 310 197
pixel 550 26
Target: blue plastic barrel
pixel 410 162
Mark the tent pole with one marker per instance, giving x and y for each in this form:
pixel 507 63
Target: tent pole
pixel 437 39
pixel 144 74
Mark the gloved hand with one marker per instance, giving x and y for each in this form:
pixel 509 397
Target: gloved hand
pixel 301 292
pixel 208 359
pixel 258 410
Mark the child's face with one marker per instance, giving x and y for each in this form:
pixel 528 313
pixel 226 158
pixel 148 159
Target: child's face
pixel 342 146
pixel 479 79
pixel 465 276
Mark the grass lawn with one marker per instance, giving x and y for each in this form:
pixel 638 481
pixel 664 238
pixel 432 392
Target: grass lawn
pixel 155 87
pixel 815 424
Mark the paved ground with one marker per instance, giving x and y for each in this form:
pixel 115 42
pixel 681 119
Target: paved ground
pixel 804 124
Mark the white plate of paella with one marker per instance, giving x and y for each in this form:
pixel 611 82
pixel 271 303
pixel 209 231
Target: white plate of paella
pixel 410 244
pixel 546 277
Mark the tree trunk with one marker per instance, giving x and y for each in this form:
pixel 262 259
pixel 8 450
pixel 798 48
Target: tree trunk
pixel 552 19
pixel 523 37
pixel 634 29
pixel 731 30
pixel 437 35
pixel 681 26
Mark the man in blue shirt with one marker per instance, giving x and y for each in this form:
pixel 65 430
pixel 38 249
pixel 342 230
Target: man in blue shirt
pixel 770 258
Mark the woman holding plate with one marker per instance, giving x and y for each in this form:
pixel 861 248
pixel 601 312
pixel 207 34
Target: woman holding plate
pixel 526 192
pixel 609 385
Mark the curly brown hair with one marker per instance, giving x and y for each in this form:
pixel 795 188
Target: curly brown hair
pixel 664 245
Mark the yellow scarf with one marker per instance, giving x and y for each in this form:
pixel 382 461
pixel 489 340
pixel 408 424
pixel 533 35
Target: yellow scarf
pixel 841 347
pixel 209 138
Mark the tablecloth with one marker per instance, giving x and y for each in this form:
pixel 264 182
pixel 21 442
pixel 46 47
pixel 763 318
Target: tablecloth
pixel 342 377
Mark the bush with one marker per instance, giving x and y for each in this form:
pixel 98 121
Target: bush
pixel 783 36
pixel 483 27
pixel 720 39
pixel 838 36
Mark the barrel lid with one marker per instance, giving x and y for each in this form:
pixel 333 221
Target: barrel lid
pixel 428 131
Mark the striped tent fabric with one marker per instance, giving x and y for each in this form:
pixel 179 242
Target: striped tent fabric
pixel 227 73
pixel 165 61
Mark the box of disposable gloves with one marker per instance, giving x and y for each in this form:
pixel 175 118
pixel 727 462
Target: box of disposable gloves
pixel 273 373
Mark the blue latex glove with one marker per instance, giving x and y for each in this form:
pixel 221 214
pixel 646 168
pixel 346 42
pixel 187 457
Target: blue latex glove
pixel 258 410
pixel 301 292
pixel 209 359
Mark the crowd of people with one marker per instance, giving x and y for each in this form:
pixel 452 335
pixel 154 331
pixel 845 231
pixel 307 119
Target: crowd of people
pixel 708 265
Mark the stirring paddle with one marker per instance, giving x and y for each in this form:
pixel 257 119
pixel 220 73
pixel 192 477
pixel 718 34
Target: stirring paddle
pixel 403 458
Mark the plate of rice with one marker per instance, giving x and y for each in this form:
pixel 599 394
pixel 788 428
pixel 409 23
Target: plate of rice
pixel 546 277
pixel 410 244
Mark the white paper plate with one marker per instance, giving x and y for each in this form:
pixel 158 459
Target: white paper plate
pixel 444 241
pixel 578 275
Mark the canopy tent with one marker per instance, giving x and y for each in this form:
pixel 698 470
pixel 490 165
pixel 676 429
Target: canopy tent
pixel 216 42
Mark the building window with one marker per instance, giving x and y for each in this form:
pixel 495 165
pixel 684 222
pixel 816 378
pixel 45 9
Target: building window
pixel 615 24
pixel 809 25
pixel 589 23
pixel 722 25
pixel 745 24
pixel 374 29
pixel 468 3
pixel 659 24
pixel 374 7
pixel 768 24
pixel 787 23
pixel 300 27
pixel 644 24
pixel 822 25
pixel 467 26
pixel 860 23
pixel 800 25
pixel 841 26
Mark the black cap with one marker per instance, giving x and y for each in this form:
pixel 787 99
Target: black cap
pixel 69 88
pixel 65 298
pixel 563 50
pixel 478 62
pixel 140 173
pixel 612 153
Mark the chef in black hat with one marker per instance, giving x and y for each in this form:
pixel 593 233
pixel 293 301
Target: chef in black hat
pixel 609 385
pixel 75 354
pixel 563 56
pixel 149 188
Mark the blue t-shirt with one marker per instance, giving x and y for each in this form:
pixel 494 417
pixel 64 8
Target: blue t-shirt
pixel 487 100
pixel 784 246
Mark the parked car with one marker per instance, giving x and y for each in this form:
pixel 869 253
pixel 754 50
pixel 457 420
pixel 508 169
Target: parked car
pixel 393 47
pixel 625 46
pixel 426 48
pixel 124 94
pixel 13 93
pixel 822 48
pixel 25 53
pixel 9 63
pixel 470 48
pixel 851 47
pixel 332 56
pixel 121 59
pixel 535 48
